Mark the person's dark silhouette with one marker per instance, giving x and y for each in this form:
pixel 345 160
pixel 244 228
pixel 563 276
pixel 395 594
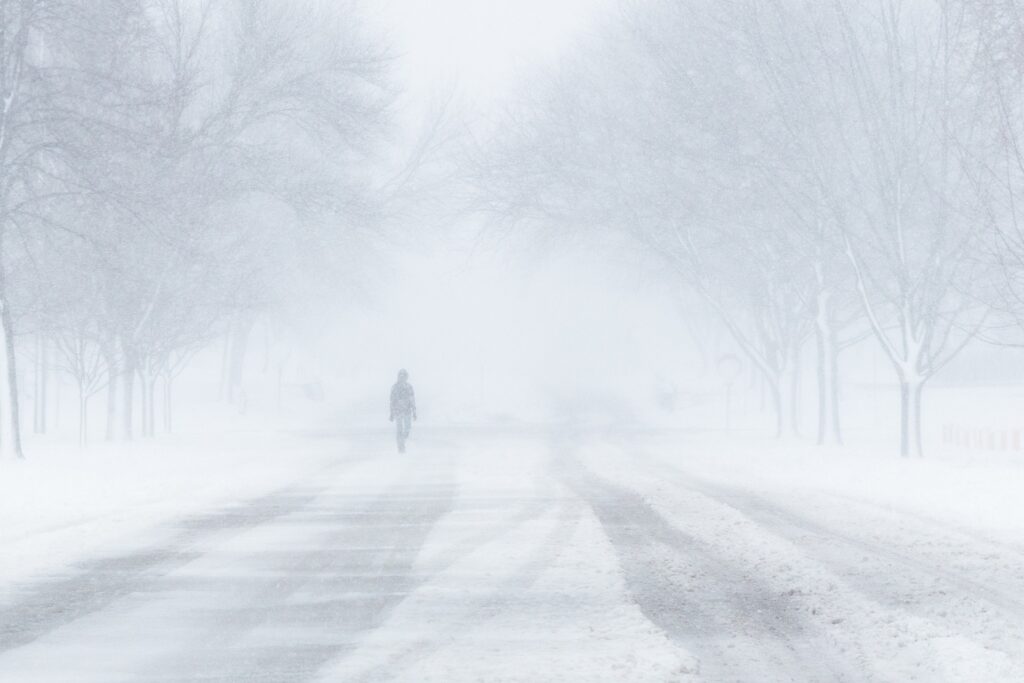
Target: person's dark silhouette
pixel 403 408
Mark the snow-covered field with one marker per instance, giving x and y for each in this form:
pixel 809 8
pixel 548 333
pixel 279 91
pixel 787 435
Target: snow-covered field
pixel 550 556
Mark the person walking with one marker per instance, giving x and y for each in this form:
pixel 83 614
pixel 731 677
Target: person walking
pixel 403 408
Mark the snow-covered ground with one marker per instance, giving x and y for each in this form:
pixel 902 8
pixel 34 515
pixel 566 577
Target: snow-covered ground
pixel 552 555
pixel 889 569
pixel 64 502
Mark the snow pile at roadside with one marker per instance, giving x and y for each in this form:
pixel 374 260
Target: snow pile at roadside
pixel 960 491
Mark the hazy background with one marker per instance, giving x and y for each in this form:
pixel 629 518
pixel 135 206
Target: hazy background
pixel 489 326
pixel 486 197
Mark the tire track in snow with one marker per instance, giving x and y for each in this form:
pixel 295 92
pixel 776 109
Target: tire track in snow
pixel 732 621
pixel 893 577
pixel 324 598
pixel 44 606
pixel 334 600
pixel 788 523
pixel 483 608
pixel 223 655
pixel 329 588
pixel 896 578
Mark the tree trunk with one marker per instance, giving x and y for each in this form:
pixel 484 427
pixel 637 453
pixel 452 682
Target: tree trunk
pixel 147 393
pixel 128 396
pixel 827 358
pixel 824 388
pixel 774 385
pixel 168 395
pixel 794 393
pixel 83 416
pixel 42 377
pixel 151 403
pixel 10 428
pixel 761 391
pixel 239 345
pixel 56 401
pixel 280 385
pixel 268 346
pixel 833 371
pixel 112 377
pixel 910 417
pixel 225 357
pixel 144 408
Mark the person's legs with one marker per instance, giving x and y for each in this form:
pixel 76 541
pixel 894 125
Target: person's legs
pixel 400 433
pixel 403 424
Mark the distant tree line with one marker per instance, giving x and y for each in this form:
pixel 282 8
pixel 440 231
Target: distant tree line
pixel 170 170
pixel 818 172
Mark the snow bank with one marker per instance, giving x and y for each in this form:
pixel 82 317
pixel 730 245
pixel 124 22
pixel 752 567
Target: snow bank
pixel 979 494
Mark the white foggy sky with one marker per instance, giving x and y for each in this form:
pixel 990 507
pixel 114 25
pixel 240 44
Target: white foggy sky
pixel 482 45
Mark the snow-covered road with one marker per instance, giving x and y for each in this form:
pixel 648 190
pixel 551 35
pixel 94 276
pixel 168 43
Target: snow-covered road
pixel 552 558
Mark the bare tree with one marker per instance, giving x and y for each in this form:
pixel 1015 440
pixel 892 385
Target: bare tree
pixel 23 143
pixel 910 237
pixel 652 135
pixel 185 157
pixel 998 165
pixel 82 359
pixel 806 169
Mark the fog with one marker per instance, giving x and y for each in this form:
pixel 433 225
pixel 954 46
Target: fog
pixel 463 340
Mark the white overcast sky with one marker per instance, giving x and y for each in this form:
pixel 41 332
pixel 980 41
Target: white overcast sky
pixel 482 45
